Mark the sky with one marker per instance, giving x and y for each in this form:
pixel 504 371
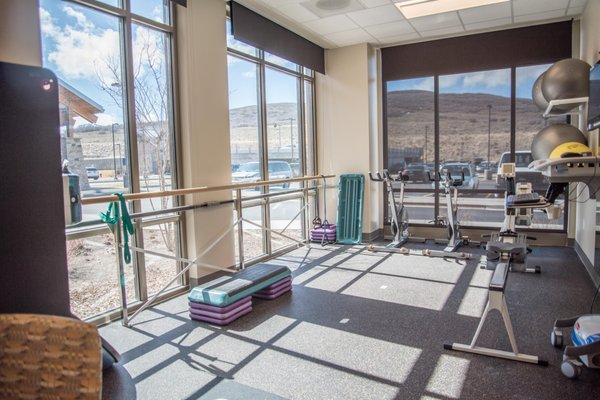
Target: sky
pixel 78 41
pixel 495 82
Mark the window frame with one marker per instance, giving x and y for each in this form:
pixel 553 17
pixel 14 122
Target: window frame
pixel 437 192
pixel 301 77
pixel 127 20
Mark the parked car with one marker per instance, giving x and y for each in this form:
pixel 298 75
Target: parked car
pixel 250 172
pixel 417 172
pixel 484 165
pixel 92 173
pixel 523 173
pixel 459 169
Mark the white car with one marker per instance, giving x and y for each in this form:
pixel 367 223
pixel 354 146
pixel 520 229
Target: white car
pixel 250 172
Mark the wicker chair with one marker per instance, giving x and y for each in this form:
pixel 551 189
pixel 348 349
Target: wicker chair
pixel 48 357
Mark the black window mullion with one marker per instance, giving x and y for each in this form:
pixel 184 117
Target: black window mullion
pixel 436 145
pixel 513 113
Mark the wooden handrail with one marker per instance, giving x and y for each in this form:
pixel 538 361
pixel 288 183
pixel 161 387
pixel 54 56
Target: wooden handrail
pixel 200 189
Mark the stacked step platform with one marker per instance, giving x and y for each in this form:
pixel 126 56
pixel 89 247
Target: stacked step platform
pixel 227 298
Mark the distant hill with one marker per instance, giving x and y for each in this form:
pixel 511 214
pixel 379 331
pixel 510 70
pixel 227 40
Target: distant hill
pixel 279 113
pixel 463 123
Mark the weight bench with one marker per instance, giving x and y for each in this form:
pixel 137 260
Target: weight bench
pixel 506 252
pixel 228 298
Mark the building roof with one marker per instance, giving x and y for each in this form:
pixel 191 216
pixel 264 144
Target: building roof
pixel 78 102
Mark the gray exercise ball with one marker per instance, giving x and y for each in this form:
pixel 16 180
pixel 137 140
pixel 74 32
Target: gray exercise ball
pixel 551 137
pixel 566 79
pixel 538 97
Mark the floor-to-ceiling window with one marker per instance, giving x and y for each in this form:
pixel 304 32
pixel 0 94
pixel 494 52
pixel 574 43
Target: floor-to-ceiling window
pixel 272 137
pixel 114 63
pixel 473 138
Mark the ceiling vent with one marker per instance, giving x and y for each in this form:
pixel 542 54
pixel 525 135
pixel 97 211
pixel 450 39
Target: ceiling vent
pixel 330 5
pixel 327 8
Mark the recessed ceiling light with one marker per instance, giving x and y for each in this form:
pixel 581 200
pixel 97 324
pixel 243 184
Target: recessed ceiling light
pixel 421 8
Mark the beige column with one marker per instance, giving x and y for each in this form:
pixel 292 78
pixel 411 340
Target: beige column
pixel 204 126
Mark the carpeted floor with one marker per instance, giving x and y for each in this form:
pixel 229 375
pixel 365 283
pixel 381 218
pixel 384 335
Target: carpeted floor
pixel 361 325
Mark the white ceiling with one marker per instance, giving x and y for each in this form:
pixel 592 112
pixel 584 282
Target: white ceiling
pixel 380 23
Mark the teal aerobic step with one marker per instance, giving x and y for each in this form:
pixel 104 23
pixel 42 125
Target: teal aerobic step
pixel 350 208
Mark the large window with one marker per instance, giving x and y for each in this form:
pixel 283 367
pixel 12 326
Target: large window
pixel 272 137
pixel 471 133
pixel 117 133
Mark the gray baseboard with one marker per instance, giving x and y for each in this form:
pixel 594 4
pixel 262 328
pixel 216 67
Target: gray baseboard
pixel 372 236
pixel 592 270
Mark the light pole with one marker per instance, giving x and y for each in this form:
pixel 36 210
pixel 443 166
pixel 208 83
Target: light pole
pixel 275 126
pixel 292 136
pixel 489 133
pixel 426 129
pixel 114 150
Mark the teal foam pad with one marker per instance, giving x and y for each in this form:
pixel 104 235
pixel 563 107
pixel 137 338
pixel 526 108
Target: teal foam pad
pixel 350 208
pixel 225 290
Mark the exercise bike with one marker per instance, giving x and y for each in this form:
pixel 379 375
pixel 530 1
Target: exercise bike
pixel 398 215
pixel 455 238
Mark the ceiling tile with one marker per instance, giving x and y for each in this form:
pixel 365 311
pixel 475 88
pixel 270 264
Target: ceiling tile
pixel 353 36
pixel 312 5
pixel 485 13
pixel 522 7
pixel 296 12
pixel 399 38
pixel 376 16
pixel 442 31
pixel 390 29
pixel 438 21
pixel 374 3
pixel 337 23
pixel 539 16
pixel 575 11
pixel 488 24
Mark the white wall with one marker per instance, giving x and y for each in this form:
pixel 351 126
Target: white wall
pixel 347 129
pixel 20 41
pixel 204 116
pixel 585 232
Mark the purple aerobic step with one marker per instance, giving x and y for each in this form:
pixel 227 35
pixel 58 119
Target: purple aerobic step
pixel 275 287
pixel 221 322
pixel 218 315
pixel 221 310
pixel 276 294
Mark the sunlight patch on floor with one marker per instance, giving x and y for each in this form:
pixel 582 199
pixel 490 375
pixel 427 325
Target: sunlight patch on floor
pixel 449 376
pixel 406 291
pixel 370 356
pixel 473 302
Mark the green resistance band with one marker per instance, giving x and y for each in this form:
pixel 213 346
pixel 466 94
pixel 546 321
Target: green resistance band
pixel 118 210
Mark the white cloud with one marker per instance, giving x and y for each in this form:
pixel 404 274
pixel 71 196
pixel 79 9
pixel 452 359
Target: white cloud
pixel 528 74
pixel 249 74
pixel 488 79
pixel 80 49
pixel 424 84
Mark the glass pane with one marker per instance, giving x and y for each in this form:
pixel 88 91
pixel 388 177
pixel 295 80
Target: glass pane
pixel 90 96
pixel 284 215
pixel 236 44
pixel 157 10
pixel 282 62
pixel 419 207
pixel 244 123
pixel 529 122
pixel 476 209
pixel 309 128
pixel 282 127
pixel 153 114
pixel 93 282
pixel 410 120
pixel 475 126
pixel 254 237
pixel 159 270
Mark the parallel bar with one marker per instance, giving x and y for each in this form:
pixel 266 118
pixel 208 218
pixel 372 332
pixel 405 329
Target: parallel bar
pixel 201 189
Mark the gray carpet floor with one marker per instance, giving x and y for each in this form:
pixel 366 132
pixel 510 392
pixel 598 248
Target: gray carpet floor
pixel 361 325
